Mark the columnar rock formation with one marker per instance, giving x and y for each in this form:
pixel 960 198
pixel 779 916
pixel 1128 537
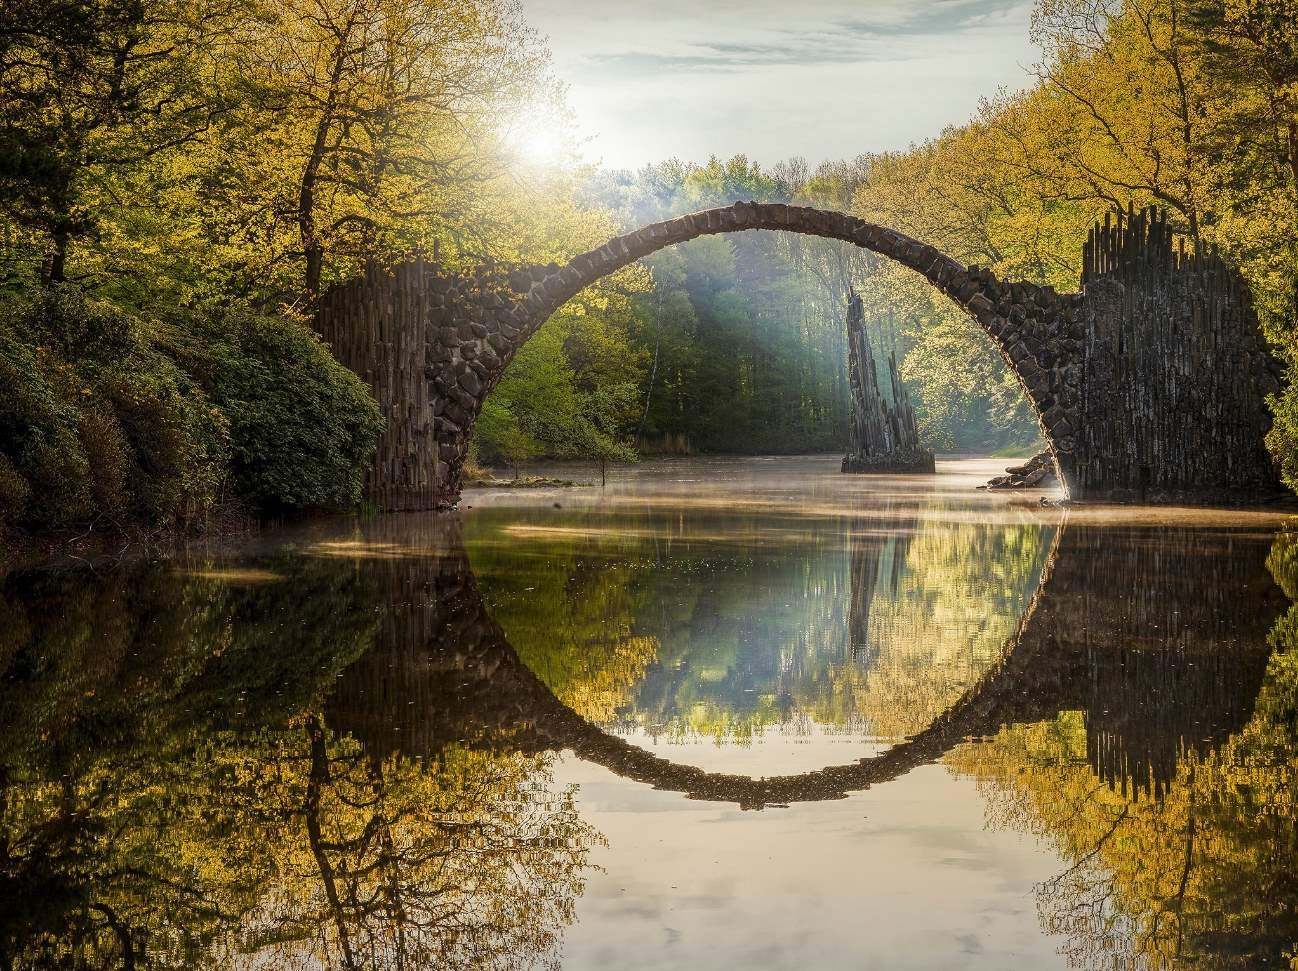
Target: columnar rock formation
pixel 1148 384
pixel 884 436
pixel 1176 371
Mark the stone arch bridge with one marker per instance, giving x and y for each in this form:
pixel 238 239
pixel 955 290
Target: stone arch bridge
pixel 1149 383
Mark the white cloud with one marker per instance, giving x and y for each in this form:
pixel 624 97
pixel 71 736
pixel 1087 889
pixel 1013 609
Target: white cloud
pixel 822 78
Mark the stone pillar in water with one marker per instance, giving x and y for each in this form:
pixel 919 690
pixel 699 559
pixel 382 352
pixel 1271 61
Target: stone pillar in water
pixel 884 436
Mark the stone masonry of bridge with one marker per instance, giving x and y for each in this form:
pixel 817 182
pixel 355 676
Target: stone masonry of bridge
pixel 1148 384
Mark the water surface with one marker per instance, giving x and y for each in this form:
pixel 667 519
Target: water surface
pixel 722 713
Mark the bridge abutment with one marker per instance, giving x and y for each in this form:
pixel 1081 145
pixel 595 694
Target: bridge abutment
pixel 1175 374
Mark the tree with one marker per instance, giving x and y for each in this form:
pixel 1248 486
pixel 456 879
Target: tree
pixel 89 93
pixel 367 128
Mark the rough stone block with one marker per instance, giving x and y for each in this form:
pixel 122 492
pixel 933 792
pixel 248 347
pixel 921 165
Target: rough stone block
pixel 866 236
pixel 963 289
pixel 470 383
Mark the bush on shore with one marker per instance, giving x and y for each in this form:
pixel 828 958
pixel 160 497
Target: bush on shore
pixel 158 423
pixel 302 426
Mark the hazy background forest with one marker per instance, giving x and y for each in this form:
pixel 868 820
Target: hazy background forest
pixel 179 179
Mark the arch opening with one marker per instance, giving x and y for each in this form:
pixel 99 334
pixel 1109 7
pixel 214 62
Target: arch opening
pixel 1019 319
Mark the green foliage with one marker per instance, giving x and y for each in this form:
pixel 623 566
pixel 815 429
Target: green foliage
pixel 1283 437
pixel 97 420
pixel 302 426
pixel 571 392
pixel 102 413
pixel 45 470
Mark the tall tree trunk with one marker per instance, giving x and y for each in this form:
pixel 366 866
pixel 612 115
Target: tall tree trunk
pixel 312 246
pixel 55 270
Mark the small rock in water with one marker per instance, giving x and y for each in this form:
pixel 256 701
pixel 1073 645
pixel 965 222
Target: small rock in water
pixel 1037 471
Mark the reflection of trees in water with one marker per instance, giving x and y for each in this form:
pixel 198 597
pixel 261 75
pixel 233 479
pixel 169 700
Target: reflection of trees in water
pixel 873 624
pixel 572 618
pixel 476 864
pixel 164 804
pixel 171 788
pixel 1181 831
pixel 944 606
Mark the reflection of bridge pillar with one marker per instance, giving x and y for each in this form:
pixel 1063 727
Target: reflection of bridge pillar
pixel 1159 635
pixel 437 647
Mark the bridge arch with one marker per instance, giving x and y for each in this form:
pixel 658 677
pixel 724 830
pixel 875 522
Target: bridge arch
pixel 1029 325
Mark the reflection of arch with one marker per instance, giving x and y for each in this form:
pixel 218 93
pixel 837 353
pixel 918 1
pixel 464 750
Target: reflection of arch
pixel 1120 627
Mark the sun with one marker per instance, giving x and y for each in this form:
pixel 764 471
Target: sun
pixel 540 145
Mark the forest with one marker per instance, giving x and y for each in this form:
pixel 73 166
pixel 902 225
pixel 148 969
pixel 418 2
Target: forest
pixel 180 180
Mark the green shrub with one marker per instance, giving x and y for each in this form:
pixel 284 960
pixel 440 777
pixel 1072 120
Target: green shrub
pixel 108 452
pixel 156 421
pixel 1282 440
pixel 45 470
pixel 14 489
pixel 302 427
pixel 95 420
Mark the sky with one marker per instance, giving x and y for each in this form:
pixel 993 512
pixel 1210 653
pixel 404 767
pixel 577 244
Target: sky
pixel 777 78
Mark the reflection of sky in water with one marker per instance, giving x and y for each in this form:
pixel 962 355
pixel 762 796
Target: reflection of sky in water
pixel 902 877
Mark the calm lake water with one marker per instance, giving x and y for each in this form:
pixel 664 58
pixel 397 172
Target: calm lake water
pixel 743 713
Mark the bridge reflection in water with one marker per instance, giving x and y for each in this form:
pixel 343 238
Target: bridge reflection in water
pixel 1121 628
pixel 331 753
